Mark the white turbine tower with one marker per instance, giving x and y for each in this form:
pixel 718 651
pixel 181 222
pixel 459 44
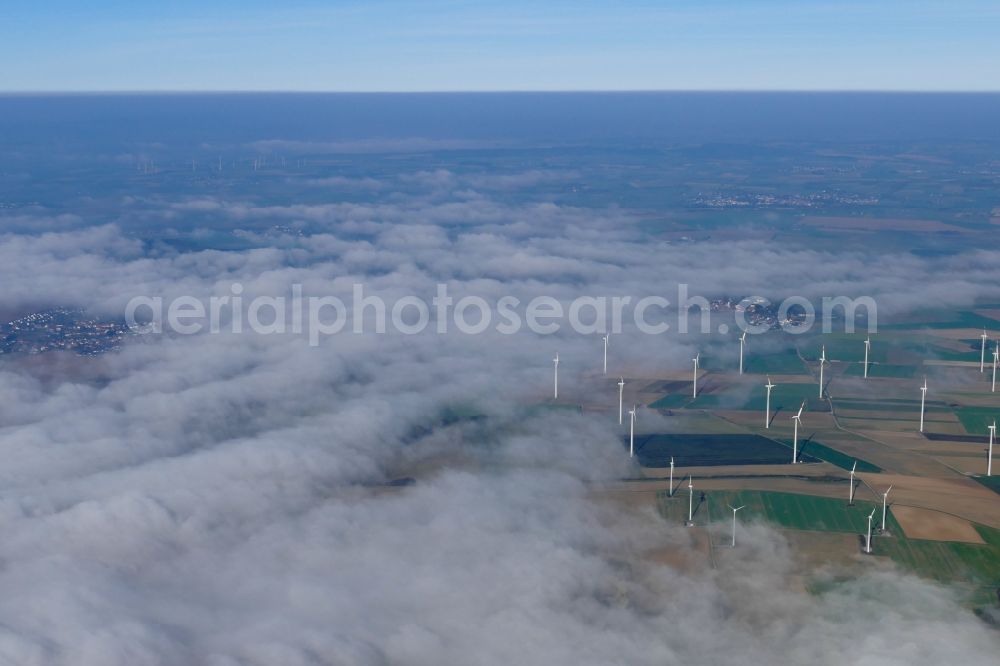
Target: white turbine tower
pixel 694 390
pixel 767 404
pixel 605 354
pixel 631 433
pixel 885 501
pixel 996 359
pixel 621 393
pixel 982 353
pixel 868 348
pixel 555 385
pixel 850 493
pixel 690 521
pixel 989 454
pixel 743 340
pixel 868 540
pixel 923 401
pixel 735 509
pixel 671 492
pixel 822 362
pixel 795 440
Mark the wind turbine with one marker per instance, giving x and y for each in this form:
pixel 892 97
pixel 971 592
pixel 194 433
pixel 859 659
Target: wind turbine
pixel 989 455
pixel 743 340
pixel 555 385
pixel 868 347
pixel 631 433
pixel 605 354
pixel 996 359
pixel 621 393
pixel 671 477
pixel 735 509
pixel 982 353
pixel 868 540
pixel 690 521
pixel 795 440
pixel 885 498
pixel 694 391
pixel 923 400
pixel 767 405
pixel 822 362
pixel 850 493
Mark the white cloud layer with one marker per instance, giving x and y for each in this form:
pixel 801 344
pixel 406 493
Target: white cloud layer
pixel 218 499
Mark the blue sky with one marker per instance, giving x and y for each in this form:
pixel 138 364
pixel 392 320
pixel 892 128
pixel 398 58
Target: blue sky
pixel 512 45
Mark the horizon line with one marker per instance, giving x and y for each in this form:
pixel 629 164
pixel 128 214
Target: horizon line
pixel 527 91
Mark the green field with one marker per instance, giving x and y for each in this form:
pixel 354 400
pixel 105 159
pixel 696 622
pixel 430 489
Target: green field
pixel 975 565
pixel 887 370
pixel 931 348
pixel 845 348
pixel 800 512
pixel 781 363
pixel 832 456
pixel 976 420
pixel 991 482
pixel 672 401
pixel 946 561
pixel 787 398
pixel 962 319
pixel 784 398
pixel 893 405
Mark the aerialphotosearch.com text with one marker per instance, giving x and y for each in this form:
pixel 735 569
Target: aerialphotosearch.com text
pixel 361 312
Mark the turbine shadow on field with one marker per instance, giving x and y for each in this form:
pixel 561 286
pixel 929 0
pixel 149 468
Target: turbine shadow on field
pixel 774 415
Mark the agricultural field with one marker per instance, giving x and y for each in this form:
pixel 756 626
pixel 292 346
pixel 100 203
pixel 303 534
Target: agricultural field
pixel 976 420
pixel 710 450
pixel 781 363
pixel 800 512
pixel 940 319
pixel 991 482
pixel 784 397
pixel 944 531
pixel 974 565
pixel 882 370
pixel 810 448
pixel 977 566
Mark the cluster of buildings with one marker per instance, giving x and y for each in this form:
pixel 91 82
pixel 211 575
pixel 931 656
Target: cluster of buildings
pixel 756 311
pixel 770 200
pixel 61 329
